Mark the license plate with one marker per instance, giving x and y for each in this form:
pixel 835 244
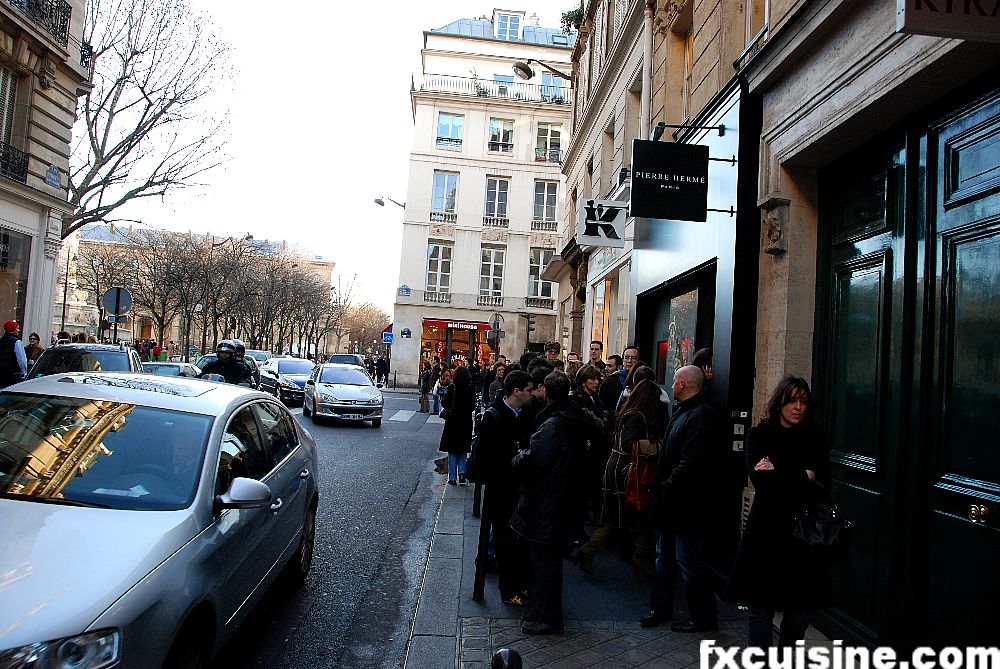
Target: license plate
pixel 351 416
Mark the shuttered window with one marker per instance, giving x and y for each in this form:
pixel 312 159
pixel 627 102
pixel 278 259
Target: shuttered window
pixel 8 94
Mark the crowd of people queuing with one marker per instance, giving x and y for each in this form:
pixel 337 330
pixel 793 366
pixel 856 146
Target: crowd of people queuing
pixel 561 449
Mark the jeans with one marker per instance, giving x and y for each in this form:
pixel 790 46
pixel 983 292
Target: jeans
pixel 761 627
pixel 425 402
pixel 437 404
pixel 684 552
pixel 456 465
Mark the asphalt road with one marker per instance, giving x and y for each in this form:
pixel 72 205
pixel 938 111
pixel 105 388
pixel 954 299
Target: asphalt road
pixel 373 531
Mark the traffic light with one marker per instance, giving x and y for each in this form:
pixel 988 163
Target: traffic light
pixel 531 323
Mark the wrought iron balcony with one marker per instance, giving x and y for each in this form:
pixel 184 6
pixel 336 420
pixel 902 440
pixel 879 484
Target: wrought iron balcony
pixel 545 226
pixel 13 163
pixel 543 155
pixel 443 217
pixel 489 301
pixel 501 147
pixel 437 297
pixel 540 302
pixel 86 56
pixel 52 15
pixel 482 88
pixel 449 143
pixel 496 222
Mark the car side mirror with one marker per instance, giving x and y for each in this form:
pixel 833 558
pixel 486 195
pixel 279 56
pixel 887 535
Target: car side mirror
pixel 310 382
pixel 379 385
pixel 243 493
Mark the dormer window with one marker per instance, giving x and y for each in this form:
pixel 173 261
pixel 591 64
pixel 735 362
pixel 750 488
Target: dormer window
pixel 509 27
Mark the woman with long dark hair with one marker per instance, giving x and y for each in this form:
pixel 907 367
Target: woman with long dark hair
pixel 640 421
pixel 456 439
pixel 789 464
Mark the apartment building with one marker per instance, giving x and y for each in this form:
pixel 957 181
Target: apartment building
pixel 43 68
pixel 485 192
pixel 850 237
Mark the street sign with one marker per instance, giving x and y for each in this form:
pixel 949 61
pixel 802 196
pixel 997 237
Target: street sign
pixel 386 337
pixel 118 319
pixel 117 300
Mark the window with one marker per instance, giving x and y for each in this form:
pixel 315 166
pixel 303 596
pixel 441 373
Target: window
pixel 501 135
pixel 449 133
pixel 545 200
pixel 491 272
pixel 445 191
pixel 496 196
pixel 8 96
pixel 552 87
pixel 504 83
pixel 438 268
pixel 756 18
pixel 547 143
pixel 278 429
pixel 536 286
pixel 508 27
pixel 242 453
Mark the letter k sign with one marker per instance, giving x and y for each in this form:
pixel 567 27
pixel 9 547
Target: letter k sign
pixel 600 219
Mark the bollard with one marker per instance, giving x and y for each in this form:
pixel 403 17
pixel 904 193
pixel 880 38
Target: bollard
pixel 506 658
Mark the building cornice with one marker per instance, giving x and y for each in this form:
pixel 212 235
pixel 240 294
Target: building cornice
pixel 473 101
pixel 493 40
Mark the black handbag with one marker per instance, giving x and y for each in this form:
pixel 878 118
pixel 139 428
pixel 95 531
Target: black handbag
pixel 824 532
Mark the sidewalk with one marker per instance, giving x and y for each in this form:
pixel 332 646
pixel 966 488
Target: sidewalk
pixel 601 611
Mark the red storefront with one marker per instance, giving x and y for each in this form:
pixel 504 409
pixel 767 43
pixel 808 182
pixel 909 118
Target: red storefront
pixel 453 341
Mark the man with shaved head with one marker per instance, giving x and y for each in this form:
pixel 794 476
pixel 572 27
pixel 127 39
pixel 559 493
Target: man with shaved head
pixel 686 471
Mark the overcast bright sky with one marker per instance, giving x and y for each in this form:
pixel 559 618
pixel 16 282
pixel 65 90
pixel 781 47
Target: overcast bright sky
pixel 320 125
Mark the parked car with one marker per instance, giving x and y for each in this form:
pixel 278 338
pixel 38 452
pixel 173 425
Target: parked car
pixel 260 356
pixel 171 369
pixel 86 358
pixel 285 378
pixel 347 359
pixel 143 517
pixel 344 392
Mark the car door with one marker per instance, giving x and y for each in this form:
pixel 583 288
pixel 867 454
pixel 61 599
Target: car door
pixel 289 476
pixel 269 377
pixel 245 553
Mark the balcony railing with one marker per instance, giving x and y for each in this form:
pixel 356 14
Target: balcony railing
pixel 449 143
pixel 490 301
pixel 86 56
pixel 501 147
pixel 13 163
pixel 439 298
pixel 540 302
pixel 545 226
pixel 481 88
pixel 543 155
pixel 52 15
pixel 495 222
pixel 443 217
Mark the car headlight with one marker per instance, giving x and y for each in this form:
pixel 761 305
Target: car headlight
pixel 327 397
pixel 374 400
pixel 84 651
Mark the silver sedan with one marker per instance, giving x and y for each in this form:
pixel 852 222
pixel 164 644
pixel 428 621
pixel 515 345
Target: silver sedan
pixel 142 517
pixel 345 392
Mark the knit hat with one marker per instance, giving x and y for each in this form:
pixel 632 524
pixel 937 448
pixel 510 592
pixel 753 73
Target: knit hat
pixel 10 326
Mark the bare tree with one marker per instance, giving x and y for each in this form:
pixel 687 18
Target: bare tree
pixel 100 266
pixel 145 128
pixel 367 322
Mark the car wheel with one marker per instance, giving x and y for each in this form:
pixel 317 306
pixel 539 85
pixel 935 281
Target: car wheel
pixel 315 417
pixel 377 422
pixel 306 411
pixel 298 568
pixel 188 651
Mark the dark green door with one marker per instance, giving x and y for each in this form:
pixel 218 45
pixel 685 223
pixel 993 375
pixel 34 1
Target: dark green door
pixel 908 372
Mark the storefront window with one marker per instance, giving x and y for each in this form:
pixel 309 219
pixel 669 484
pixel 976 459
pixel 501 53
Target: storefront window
pixel 15 250
pixel 455 342
pixel 676 328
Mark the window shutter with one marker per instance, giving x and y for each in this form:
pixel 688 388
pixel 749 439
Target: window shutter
pixel 8 92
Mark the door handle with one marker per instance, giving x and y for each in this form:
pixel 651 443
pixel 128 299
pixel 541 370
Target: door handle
pixel 276 504
pixel 304 474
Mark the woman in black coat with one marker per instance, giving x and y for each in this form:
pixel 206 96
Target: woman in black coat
pixel 456 439
pixel 789 464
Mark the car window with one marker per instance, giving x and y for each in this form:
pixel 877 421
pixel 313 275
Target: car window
pixel 59 360
pixel 242 451
pixel 278 429
pixel 295 366
pixel 106 453
pixel 349 376
pixel 161 370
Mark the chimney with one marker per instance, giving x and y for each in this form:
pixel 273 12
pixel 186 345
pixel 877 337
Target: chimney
pixel 533 19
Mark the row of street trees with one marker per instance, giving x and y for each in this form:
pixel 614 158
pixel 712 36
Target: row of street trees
pixel 228 288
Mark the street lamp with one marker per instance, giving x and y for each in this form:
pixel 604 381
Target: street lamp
pixel 246 238
pixel 62 326
pixel 523 71
pixel 381 203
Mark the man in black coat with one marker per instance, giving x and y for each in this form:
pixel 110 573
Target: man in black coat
pixel 686 471
pixel 548 469
pixel 502 431
pixel 614 384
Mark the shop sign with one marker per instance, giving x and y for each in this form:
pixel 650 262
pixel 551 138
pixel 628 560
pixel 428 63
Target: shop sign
pixel 975 20
pixel 456 325
pixel 669 181
pixel 601 223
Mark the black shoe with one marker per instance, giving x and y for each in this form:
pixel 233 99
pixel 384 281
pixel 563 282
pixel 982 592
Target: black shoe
pixel 652 620
pixel 451 482
pixel 538 627
pixel 690 626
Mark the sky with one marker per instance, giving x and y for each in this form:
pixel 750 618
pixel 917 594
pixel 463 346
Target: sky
pixel 320 125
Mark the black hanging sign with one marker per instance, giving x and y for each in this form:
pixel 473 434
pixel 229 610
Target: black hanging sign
pixel 669 180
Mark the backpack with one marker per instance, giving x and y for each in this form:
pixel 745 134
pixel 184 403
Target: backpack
pixel 472 462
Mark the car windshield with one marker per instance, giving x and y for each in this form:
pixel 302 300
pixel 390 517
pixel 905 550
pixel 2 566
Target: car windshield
pixel 105 453
pixel 204 360
pixel 344 359
pixel 58 360
pixel 161 370
pixel 346 376
pixel 259 356
pixel 295 367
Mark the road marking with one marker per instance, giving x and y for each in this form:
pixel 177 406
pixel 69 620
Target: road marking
pixel 435 419
pixel 402 415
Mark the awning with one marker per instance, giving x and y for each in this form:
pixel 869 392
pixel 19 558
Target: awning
pixel 456 325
